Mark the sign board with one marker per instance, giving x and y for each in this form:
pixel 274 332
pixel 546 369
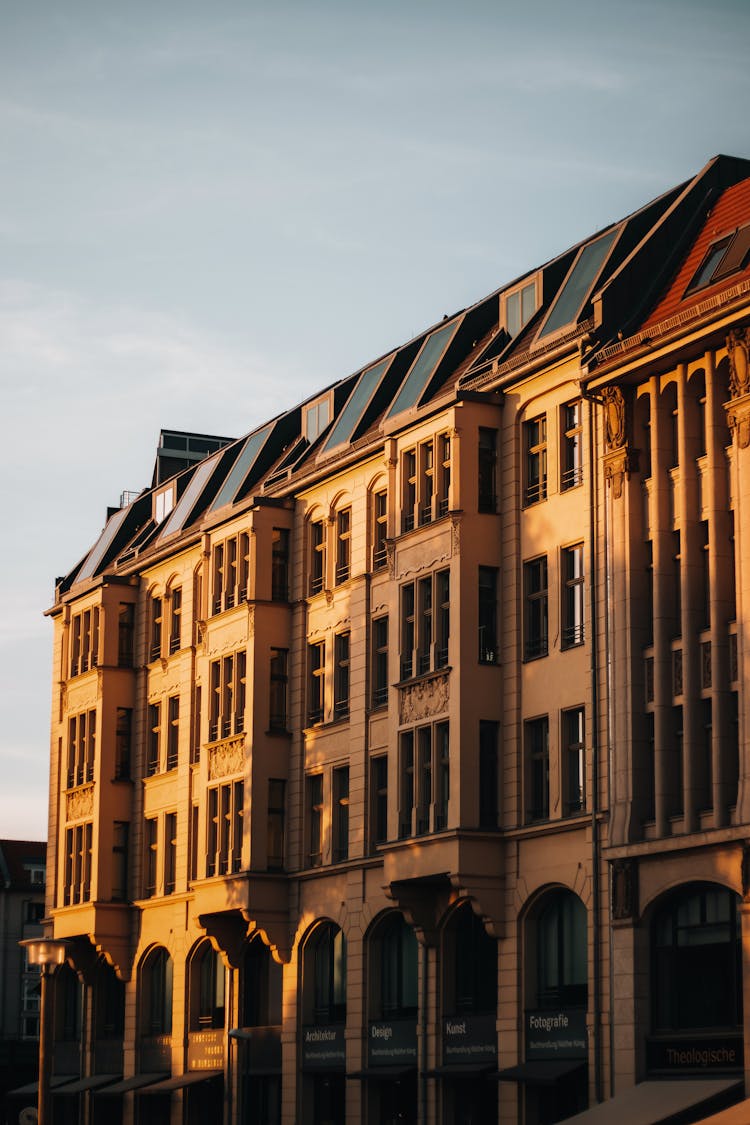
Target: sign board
pixel 206 1050
pixel 392 1043
pixel 469 1039
pixel 323 1047
pixel 695 1054
pixel 556 1033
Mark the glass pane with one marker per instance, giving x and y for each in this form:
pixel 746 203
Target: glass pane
pixel 241 468
pixel 423 368
pixel 352 413
pixel 575 290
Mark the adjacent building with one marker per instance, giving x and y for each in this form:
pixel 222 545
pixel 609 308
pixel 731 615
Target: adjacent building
pixel 399 759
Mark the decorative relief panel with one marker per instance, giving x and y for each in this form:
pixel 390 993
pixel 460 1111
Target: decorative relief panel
pixel 423 699
pixel 616 458
pixel 226 758
pixel 80 803
pixel 738 408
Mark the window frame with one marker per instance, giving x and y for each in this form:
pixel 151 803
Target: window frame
pixel 536 608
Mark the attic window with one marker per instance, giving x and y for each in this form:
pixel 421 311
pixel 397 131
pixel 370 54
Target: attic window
pixel 578 284
pixel 163 503
pixel 519 307
pixel 726 256
pixel 317 417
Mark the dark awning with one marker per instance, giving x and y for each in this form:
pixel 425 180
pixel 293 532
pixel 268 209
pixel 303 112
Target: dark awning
pixel 385 1073
pixel 33 1087
pixel 540 1072
pixel 93 1082
pixel 461 1070
pixel 135 1082
pixel 180 1081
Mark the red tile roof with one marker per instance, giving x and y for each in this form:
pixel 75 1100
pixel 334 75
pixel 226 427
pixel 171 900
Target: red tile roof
pixel 731 211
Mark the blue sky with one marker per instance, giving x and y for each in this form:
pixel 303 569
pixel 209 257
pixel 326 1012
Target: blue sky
pixel 209 211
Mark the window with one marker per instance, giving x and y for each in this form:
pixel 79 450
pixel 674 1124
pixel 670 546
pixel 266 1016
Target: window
pixel 380 530
pixel 170 852
pixel 81 748
pixel 470 967
pixel 487 615
pixel 536 732
pixel 577 285
pixel 409 489
pixel 424 780
pixel 280 564
pixel 520 306
pixel 317 417
pixel 225 814
pixel 424 641
pixel 78 864
pixel 325 967
pixel 574 761
pixel 157 994
pixel 207 979
pixel 379 800
pixel 535 608
pixel 230 562
pixel 394 976
pixel 341 677
pixel 154 648
pixel 173 731
pixel 279 684
pixel 426 482
pixel 34 912
pixel 175 621
pixel 153 755
pixel 123 742
pixel 317 556
pixel 571 468
pixel 561 945
pixel 379 661
pixel 725 256
pixel 340 818
pixel 487 494
pixel 488 773
pixel 151 844
pixel 316 681
pixel 120 841
pixel 125 632
pixel 444 474
pixel 84 646
pixel 343 545
pixel 275 831
pixel 195 741
pixel 535 459
pixel 227 700
pixel 315 819
pixel 572 594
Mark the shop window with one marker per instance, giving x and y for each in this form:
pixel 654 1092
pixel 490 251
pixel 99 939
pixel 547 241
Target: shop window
pixel 280 564
pixel 535 459
pixel 175 620
pixel 535 608
pixel 207 988
pixel 487 615
pixel 81 748
pixel 279 687
pixel 341 676
pixel 276 824
pixel 340 813
pixel 380 529
pixel 571 446
pixel 260 987
pixel 109 1003
pixel 574 761
pixel 380 661
pixel 125 634
pixel 561 952
pixel 378 800
pixel 156 994
pixel 84 645
pixel 343 545
pixel 225 817
pixel 470 965
pixel 573 596
pixel 536 742
pixel 487 453
pixel 77 886
pixel 324 967
pixel 316 663
pixel 317 556
pixel 393 976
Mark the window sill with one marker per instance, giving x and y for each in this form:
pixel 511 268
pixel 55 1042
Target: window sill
pixel 423 676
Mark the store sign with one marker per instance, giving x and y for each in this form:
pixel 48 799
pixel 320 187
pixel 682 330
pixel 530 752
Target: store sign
pixel 206 1050
pixel 323 1047
pixel 389 1044
pixel 556 1033
pixel 694 1055
pixel 469 1039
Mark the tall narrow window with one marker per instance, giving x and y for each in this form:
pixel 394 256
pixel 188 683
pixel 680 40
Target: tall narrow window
pixel 317 556
pixel 424 779
pixel 151 837
pixel 217 597
pixel 194 841
pixel 243 577
pixel 173 731
pixel 175 620
pixel 156 622
pixel 426 482
pixel 406 787
pixel 170 852
pixel 279 684
pixel 488 773
pixel 573 592
pixel 340 818
pixel 677 582
pixel 230 573
pixel 443 617
pixel 409 489
pixel 343 545
pixel 120 837
pixel 574 761
pixel 408 631
pixel 379 661
pixel 341 678
pixel 153 762
pixel 280 564
pixel 315 819
pixel 379 800
pixel 316 681
pixel 125 631
pixel 442 775
pixel 225 820
pixel 444 474
pixel 275 833
pixel 487 496
pixel 571 468
pixel 380 530
pixel 424 632
pixel 487 615
pixel 705 592
pixel 537 757
pixel 535 608
pixel 535 454
pixel 195 741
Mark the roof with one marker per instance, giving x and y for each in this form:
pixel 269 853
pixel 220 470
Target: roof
pixel 16 857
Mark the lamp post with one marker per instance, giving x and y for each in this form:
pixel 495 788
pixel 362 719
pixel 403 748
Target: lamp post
pixel 48 954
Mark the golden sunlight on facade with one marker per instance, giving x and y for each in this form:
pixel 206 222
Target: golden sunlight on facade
pixel 400 765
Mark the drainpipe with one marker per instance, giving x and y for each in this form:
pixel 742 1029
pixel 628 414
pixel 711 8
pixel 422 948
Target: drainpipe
pixel 423 1060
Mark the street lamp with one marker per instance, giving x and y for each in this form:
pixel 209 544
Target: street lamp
pixel 48 954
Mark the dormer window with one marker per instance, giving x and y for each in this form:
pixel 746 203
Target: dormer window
pixel 519 307
pixel 163 503
pixel 727 255
pixel 317 417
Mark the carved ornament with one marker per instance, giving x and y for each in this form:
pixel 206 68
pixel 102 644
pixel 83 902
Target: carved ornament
pixel 738 347
pixel 455 535
pixel 624 889
pixel 614 415
pixel 424 698
pixel 616 469
pixel 80 803
pixel 227 758
pixel 738 419
pixel 390 555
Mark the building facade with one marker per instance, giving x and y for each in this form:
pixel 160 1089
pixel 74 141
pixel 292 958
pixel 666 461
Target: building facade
pixel 399 749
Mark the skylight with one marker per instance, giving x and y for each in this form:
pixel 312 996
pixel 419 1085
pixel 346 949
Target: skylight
pixel 241 468
pixel 189 497
pixel 351 415
pixel 423 368
pixel 577 286
pixel 105 541
pixel 726 256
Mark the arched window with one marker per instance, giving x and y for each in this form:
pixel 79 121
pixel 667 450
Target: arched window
pixel 156 993
pixel 261 981
pixel 470 965
pixel 325 975
pixel 206 989
pixel 561 952
pixel 393 970
pixel 696 968
pixel 109 1001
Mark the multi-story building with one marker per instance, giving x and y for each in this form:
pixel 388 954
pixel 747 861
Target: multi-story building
pixel 399 748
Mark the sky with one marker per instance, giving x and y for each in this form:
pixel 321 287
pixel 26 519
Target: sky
pixel 207 212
